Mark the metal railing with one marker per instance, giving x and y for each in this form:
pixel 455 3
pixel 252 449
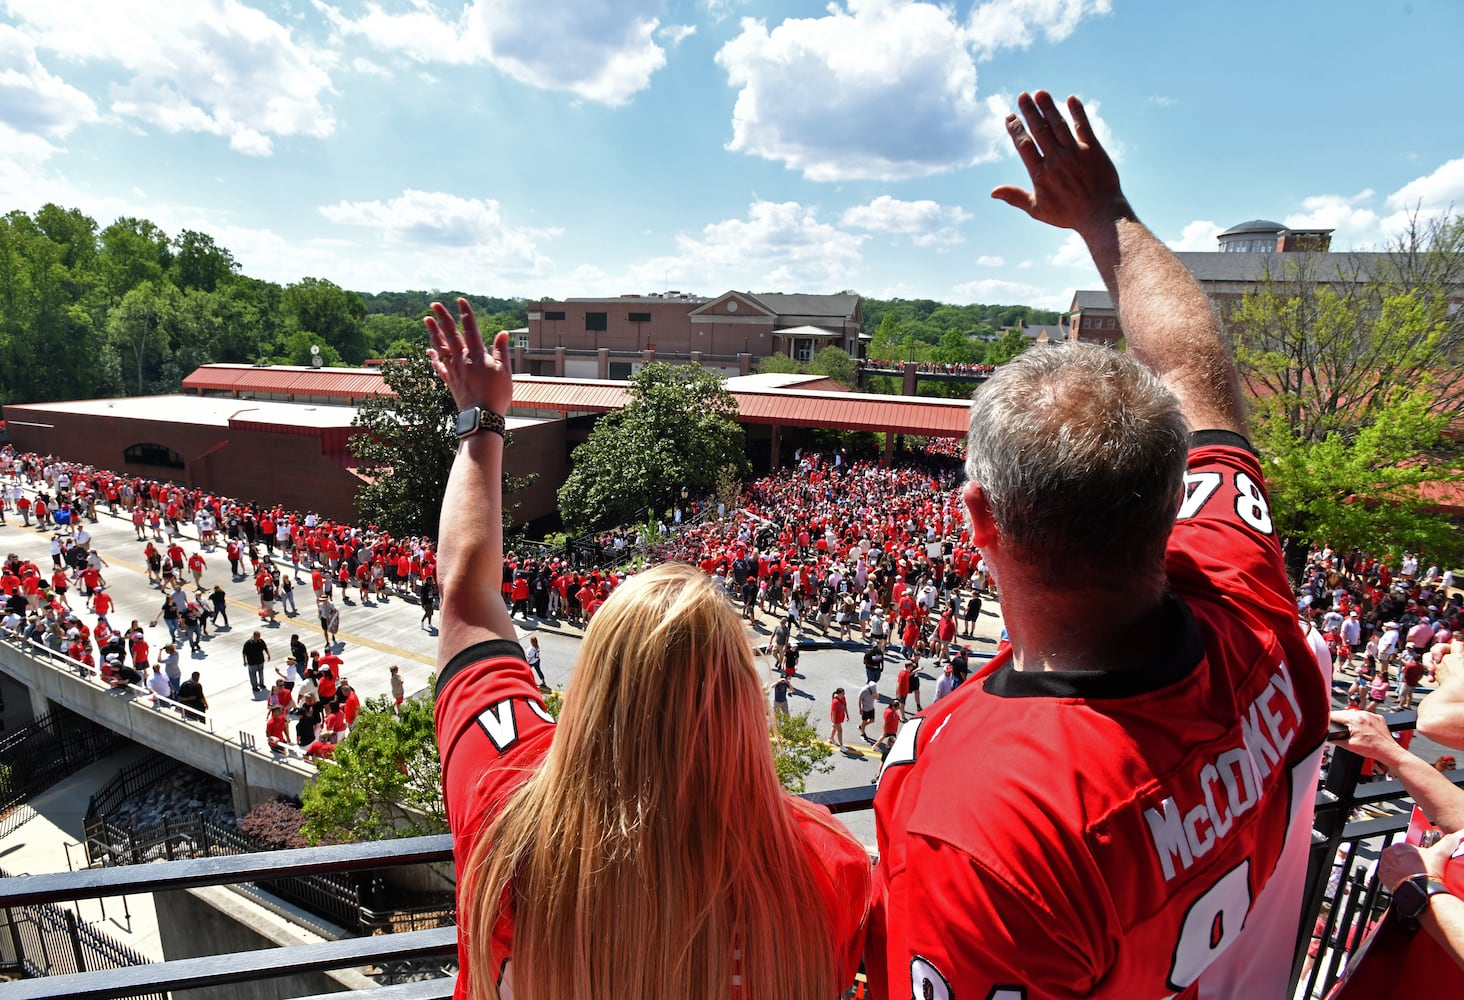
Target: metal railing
pixel 38 755
pixel 1342 898
pixel 44 940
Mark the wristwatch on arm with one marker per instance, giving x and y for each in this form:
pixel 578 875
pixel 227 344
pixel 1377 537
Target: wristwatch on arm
pixel 478 418
pixel 1412 897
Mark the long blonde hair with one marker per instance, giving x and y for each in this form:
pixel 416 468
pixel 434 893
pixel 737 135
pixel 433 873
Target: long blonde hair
pixel 654 854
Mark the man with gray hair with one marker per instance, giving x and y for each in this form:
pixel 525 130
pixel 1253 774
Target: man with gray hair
pixel 1148 746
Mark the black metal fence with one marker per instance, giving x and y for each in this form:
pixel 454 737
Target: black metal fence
pixel 328 896
pixel 36 756
pixel 46 940
pixel 1356 818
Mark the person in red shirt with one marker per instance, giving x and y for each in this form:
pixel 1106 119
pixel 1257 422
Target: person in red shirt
pixel 277 729
pixel 838 715
pixel 330 661
pixel 350 703
pixel 573 817
pixel 1135 833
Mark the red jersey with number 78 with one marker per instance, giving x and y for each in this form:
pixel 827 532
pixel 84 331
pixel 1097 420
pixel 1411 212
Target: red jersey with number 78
pixel 1133 834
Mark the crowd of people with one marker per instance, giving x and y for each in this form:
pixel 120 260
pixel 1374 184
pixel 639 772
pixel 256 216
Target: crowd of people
pixel 969 369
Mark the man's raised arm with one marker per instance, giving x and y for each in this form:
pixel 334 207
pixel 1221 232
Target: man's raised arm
pixel 1165 316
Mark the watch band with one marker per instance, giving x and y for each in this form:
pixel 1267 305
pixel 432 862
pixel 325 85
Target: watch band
pixel 1412 896
pixel 479 418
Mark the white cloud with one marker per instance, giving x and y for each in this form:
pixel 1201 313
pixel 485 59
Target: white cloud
pixel 212 66
pixel 447 225
pixel 1002 24
pixel 882 89
pixel 1197 235
pixel 1026 265
pixel 368 68
pixel 1072 253
pixel 674 34
pixel 1429 197
pixel 778 246
pixel 33 101
pixel 1355 225
pixel 926 222
pixel 604 52
pixel 1161 101
pixel 990 261
pixel 996 291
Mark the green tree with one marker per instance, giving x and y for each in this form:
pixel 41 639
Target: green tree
pixel 142 326
pixel 408 448
pixel 1367 488
pixel 778 364
pixel 835 363
pixel 1004 348
pixel 798 751
pixel 199 262
pixel 133 251
pixel 679 431
pixel 331 313
pixel 1355 364
pixel 386 779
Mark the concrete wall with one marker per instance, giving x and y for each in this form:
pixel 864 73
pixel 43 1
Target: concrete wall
pixel 250 464
pixel 255 777
pixel 539 450
pixel 217 920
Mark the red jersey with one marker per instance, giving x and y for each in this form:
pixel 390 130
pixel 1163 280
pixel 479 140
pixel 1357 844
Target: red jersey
pixel 493 731
pixel 1166 854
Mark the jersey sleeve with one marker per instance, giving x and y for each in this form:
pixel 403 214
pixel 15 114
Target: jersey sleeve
pixel 1224 538
pixel 492 729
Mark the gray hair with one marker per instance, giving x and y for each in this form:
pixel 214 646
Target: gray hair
pixel 1080 452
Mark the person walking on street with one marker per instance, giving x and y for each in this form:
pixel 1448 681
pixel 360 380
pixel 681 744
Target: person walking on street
pixel 838 715
pixel 256 651
pixel 868 699
pixel 533 654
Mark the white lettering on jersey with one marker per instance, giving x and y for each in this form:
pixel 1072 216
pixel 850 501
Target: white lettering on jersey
pixel 1227 787
pixel 1211 925
pixel 926 982
pixel 498 722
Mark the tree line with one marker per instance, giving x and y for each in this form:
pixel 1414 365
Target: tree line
pixel 88 311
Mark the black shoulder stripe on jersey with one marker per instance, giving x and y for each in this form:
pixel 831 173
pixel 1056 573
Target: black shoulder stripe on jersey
pixel 478 651
pixel 1200 439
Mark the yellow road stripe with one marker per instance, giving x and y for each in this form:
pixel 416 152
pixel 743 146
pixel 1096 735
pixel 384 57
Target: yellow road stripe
pixel 307 622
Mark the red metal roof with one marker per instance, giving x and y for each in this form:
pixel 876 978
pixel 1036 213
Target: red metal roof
pixel 330 382
pixel 797 407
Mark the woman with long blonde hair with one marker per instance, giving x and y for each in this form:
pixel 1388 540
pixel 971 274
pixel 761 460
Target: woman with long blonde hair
pixel 634 849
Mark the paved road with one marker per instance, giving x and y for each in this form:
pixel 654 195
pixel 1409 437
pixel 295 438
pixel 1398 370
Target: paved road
pixel 376 634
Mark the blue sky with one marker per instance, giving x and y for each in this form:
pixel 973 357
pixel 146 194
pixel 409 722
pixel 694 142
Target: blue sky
pixel 587 147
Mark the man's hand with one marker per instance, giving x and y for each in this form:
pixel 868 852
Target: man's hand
pixel 1073 180
pixel 473 374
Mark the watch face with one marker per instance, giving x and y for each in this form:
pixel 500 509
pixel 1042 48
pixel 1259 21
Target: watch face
pixel 467 421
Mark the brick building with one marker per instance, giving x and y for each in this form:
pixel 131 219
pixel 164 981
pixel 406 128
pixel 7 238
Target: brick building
pixel 610 338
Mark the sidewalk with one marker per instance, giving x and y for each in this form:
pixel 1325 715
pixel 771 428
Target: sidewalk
pixel 51 842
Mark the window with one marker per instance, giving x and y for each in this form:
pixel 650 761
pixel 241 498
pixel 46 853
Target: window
pixel 153 454
pixel 521 340
pixel 554 315
pixel 1109 324
pixel 803 350
pixel 596 321
pixel 639 317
